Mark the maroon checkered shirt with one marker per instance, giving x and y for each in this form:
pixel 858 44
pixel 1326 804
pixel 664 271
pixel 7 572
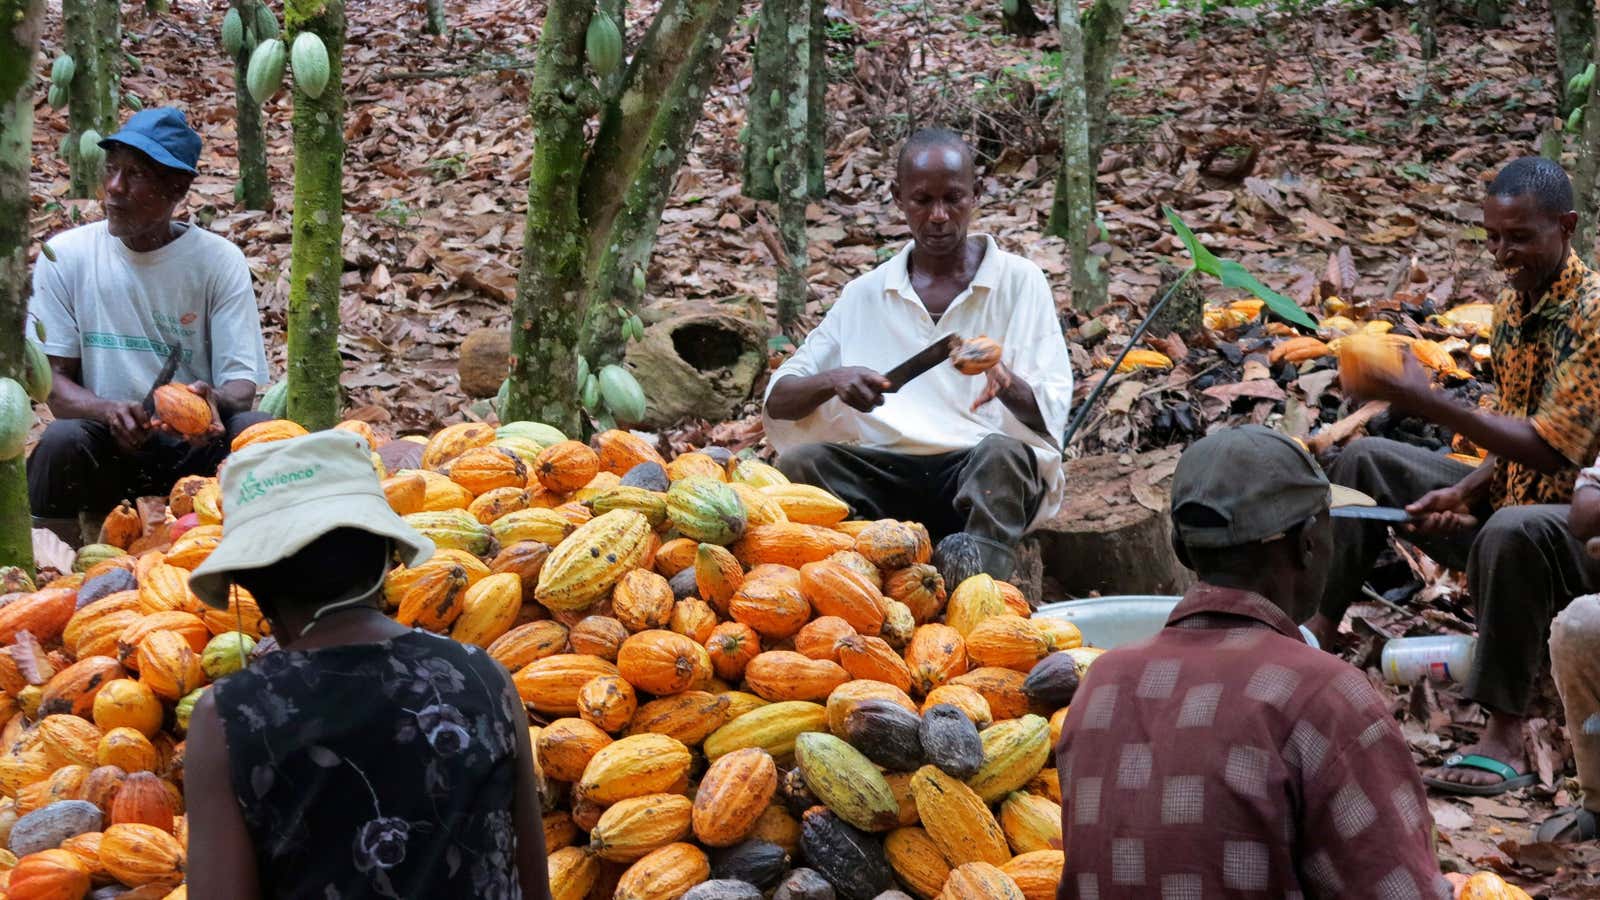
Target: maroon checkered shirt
pixel 1226 758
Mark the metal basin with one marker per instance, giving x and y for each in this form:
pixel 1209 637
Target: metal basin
pixel 1108 622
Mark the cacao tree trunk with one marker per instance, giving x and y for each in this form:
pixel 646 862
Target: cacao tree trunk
pixel 1586 172
pixel 1575 30
pixel 1427 31
pixel 1102 36
pixel 793 165
pixel 254 192
pixel 817 101
pixel 21 22
pixel 1489 12
pixel 1072 215
pixel 94 40
pixel 316 260
pixel 764 134
pixel 436 17
pixel 548 310
pixel 1018 17
pixel 593 210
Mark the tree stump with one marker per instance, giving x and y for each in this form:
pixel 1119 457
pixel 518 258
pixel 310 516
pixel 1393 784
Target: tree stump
pixel 1185 312
pixel 699 359
pixel 1113 533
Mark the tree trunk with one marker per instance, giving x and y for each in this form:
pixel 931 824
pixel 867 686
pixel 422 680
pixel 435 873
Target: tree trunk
pixel 316 260
pixel 436 19
pixel 1586 173
pixel 593 211
pixel 1072 214
pixel 681 54
pixel 94 40
pixel 817 101
pixel 24 20
pixel 1102 35
pixel 548 309
pixel 1575 29
pixel 1427 31
pixel 1489 12
pixel 763 117
pixel 794 165
pixel 1021 19
pixel 254 191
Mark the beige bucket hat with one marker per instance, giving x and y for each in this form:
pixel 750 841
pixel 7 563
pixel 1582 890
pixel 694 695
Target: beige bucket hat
pixel 278 497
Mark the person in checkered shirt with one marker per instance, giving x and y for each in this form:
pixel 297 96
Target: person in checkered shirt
pixel 1225 757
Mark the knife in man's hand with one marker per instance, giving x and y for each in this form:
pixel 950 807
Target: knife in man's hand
pixel 168 369
pixel 920 362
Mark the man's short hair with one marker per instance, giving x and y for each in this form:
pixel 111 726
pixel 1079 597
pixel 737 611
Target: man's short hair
pixel 1534 176
pixel 930 139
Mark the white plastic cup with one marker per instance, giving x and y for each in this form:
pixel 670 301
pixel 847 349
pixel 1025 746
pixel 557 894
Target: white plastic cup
pixel 1443 658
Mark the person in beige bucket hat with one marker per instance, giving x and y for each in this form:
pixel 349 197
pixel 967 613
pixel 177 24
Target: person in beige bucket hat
pixel 360 758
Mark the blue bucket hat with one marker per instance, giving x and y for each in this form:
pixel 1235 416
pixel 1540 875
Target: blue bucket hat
pixel 162 134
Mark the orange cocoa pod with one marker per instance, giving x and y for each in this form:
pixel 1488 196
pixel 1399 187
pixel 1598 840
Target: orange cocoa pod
pixel 182 410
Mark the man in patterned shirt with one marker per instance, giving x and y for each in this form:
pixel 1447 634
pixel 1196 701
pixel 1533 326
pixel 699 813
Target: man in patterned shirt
pixel 1224 757
pixel 1505 521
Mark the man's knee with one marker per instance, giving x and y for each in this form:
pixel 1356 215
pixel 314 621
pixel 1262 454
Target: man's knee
pixel 70 437
pixel 805 463
pixel 1576 629
pixel 999 451
pixel 1515 528
pixel 1367 455
pixel 239 421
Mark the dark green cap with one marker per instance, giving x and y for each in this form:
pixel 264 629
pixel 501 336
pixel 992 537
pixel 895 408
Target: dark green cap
pixel 1259 482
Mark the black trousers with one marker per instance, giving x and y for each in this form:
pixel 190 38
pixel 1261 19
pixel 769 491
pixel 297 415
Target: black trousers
pixel 78 467
pixel 990 492
pixel 1523 565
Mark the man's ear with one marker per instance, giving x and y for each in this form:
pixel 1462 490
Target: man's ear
pixel 1569 223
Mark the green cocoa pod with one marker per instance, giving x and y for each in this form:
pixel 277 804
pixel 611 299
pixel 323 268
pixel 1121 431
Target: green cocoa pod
pixel 62 70
pixel 238 192
pixel 603 44
pixel 309 57
pixel 265 74
pixel 36 375
pixel 583 371
pixel 89 147
pixel 638 278
pixel 1575 121
pixel 591 393
pixel 132 102
pixel 16 417
pixel 266 24
pixel 233 32
pixel 275 402
pixel 776 99
pixel 66 148
pixel 57 95
pixel 1009 7
pixel 622 393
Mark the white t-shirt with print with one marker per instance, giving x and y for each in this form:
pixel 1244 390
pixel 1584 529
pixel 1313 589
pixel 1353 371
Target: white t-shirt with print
pixel 121 312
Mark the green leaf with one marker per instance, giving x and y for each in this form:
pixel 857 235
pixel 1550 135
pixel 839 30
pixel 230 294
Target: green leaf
pixel 1237 276
pixel 1204 261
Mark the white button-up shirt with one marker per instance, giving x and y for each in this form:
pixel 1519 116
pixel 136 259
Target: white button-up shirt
pixel 879 322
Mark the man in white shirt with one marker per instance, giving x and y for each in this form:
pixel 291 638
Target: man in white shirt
pixel 118 298
pixel 976 458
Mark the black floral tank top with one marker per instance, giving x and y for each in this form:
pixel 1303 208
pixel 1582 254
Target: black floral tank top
pixel 376 770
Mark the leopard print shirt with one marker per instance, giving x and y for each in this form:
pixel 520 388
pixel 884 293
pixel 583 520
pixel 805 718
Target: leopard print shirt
pixel 1547 367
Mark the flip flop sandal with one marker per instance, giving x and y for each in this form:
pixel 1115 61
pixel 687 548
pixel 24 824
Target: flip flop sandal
pixel 1569 826
pixel 1510 780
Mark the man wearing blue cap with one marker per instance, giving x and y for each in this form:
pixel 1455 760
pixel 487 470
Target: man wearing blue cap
pixel 118 298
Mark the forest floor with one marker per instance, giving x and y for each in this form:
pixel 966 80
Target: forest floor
pixel 1313 146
